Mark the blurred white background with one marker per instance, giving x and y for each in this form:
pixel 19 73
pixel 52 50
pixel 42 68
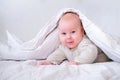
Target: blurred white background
pixel 24 18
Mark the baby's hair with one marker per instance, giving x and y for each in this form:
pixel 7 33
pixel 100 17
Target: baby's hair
pixel 71 13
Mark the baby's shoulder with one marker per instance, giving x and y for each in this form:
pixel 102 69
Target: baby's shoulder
pixel 86 40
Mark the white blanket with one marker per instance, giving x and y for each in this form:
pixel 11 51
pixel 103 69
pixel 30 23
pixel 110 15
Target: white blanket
pixel 47 41
pixel 14 70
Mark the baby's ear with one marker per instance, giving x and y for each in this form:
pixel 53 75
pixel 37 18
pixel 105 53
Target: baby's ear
pixel 83 31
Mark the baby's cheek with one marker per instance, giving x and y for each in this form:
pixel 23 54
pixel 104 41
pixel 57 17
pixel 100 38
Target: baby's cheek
pixel 62 40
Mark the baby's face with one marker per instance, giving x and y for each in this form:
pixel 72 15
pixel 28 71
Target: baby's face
pixel 70 30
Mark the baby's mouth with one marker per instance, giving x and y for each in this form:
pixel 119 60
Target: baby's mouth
pixel 71 42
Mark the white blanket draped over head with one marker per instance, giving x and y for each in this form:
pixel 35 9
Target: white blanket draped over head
pixel 47 40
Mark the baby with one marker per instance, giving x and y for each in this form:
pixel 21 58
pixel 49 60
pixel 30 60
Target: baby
pixel 75 46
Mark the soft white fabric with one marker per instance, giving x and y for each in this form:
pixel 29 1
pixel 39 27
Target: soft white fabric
pixel 27 70
pixel 47 41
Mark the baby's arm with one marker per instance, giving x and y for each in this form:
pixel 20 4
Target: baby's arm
pixel 73 63
pixel 88 54
pixel 54 58
pixel 57 57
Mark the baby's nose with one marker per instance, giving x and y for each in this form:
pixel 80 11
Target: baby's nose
pixel 68 36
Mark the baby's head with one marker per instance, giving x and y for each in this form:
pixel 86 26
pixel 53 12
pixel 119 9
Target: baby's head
pixel 71 30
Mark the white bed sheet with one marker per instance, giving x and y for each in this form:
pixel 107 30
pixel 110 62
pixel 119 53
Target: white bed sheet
pixel 24 70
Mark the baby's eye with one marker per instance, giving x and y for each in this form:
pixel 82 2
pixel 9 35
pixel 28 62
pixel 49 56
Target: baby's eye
pixel 63 33
pixel 73 32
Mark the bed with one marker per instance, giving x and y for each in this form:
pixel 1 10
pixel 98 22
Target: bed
pixel 27 70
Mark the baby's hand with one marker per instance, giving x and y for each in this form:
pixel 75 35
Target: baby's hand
pixel 44 63
pixel 73 63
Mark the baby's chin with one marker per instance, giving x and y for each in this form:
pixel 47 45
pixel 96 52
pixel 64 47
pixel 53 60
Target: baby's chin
pixel 72 46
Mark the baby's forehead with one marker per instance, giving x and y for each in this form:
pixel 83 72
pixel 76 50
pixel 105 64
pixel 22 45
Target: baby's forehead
pixel 69 16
